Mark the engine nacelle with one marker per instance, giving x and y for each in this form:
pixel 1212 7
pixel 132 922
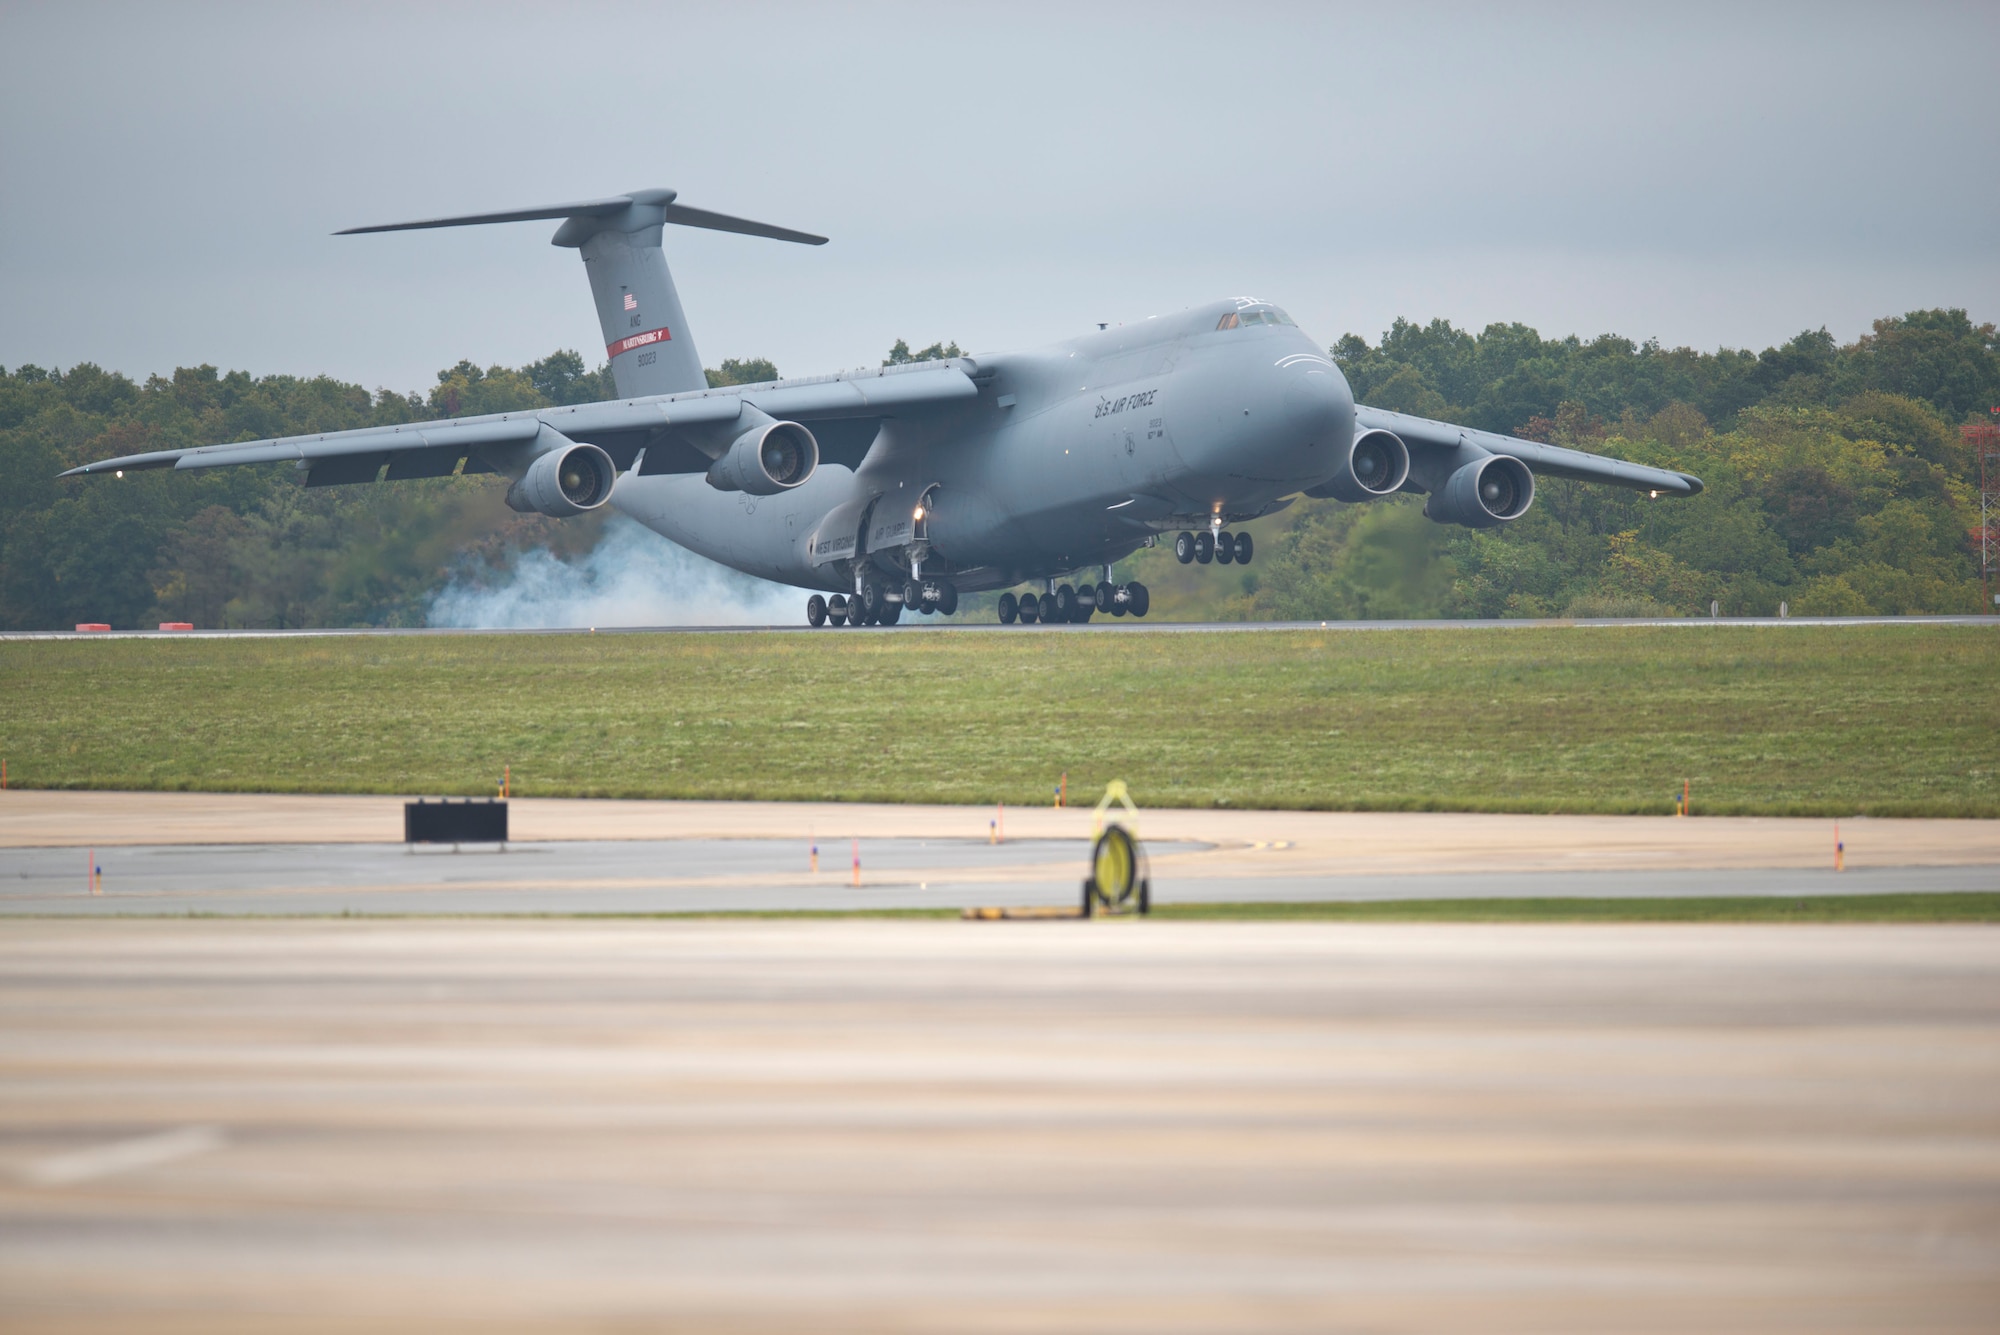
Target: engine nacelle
pixel 571 479
pixel 1483 493
pixel 1377 465
pixel 766 459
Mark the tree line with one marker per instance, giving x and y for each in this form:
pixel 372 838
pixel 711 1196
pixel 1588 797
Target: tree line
pixel 1838 482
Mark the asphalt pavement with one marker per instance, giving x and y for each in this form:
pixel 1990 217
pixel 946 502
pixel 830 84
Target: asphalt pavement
pixel 725 875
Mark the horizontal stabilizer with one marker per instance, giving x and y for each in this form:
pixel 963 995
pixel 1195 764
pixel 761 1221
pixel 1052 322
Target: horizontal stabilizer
pixel 641 208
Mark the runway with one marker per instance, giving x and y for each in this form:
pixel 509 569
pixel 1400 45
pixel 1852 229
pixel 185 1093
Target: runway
pixel 1118 625
pixel 942 1126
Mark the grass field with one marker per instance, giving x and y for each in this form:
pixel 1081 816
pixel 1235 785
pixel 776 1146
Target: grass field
pixel 1955 907
pixel 1885 720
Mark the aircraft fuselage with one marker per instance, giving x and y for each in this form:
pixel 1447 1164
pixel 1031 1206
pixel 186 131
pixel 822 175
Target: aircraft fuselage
pixel 1070 457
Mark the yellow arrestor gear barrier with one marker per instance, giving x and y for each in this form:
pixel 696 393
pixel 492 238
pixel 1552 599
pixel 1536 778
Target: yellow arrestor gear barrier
pixel 1117 866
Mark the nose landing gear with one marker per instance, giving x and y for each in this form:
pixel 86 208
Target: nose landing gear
pixel 1217 546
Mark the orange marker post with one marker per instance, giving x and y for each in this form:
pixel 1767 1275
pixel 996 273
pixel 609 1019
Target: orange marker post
pixel 857 863
pixel 1839 849
pixel 90 872
pixel 507 780
pixel 815 858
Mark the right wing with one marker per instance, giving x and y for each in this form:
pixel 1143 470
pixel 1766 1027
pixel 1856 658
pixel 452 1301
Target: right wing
pixel 1444 439
pixel 850 405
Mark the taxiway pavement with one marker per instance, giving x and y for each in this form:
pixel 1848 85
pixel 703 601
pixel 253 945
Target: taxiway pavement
pixel 247 853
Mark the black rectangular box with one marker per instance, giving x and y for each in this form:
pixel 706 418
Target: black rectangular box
pixel 449 822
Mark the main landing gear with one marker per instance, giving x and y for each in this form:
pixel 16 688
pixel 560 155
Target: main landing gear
pixel 1219 547
pixel 878 604
pixel 1073 605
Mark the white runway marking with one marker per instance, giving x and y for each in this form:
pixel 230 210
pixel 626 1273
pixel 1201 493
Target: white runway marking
pixel 123 1156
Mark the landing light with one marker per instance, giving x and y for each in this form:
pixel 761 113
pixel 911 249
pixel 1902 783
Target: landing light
pixel 1652 495
pixel 119 473
pixel 919 513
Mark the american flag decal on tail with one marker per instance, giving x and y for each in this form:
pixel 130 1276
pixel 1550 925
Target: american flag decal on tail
pixel 631 302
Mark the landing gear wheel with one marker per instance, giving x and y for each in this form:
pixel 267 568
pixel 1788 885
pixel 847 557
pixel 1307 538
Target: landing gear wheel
pixel 947 599
pixel 1244 547
pixel 816 611
pixel 913 596
pixel 1140 599
pixel 1225 548
pixel 1031 610
pixel 1184 548
pixel 1051 614
pixel 1107 599
pixel 1204 547
pixel 1010 608
pixel 1065 604
pixel 1086 606
pixel 869 595
pixel 888 614
pixel 837 609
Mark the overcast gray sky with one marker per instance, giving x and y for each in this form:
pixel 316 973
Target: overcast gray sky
pixel 996 174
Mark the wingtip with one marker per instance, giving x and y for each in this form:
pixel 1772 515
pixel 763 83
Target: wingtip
pixel 1694 484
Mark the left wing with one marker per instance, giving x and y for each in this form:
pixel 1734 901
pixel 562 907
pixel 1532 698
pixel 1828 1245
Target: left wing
pixel 667 427
pixel 1446 443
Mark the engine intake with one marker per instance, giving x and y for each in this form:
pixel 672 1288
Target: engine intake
pixel 1484 493
pixel 766 459
pixel 569 480
pixel 1377 465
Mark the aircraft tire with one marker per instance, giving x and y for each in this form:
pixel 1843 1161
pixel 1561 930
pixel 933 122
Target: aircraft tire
pixel 1184 548
pixel 1084 612
pixel 1010 608
pixel 1031 610
pixel 836 609
pixel 816 611
pixel 1225 548
pixel 1141 600
pixel 1065 605
pixel 888 614
pixel 1050 613
pixel 947 603
pixel 1204 547
pixel 913 597
pixel 1107 599
pixel 1244 548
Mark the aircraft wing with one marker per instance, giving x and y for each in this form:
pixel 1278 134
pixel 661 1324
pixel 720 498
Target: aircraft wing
pixel 850 405
pixel 1422 434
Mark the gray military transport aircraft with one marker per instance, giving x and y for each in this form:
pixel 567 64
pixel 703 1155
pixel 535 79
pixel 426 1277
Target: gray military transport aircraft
pixel 897 489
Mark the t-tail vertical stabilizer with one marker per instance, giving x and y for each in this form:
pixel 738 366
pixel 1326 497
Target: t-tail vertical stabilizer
pixel 645 332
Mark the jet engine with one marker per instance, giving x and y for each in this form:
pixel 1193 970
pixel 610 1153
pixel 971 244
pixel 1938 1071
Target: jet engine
pixel 572 479
pixel 767 459
pixel 1377 464
pixel 1483 493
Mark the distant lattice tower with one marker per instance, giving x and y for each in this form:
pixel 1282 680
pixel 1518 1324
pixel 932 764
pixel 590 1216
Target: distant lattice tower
pixel 1984 438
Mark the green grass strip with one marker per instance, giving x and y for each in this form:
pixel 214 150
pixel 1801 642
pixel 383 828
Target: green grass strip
pixel 1895 720
pixel 1969 906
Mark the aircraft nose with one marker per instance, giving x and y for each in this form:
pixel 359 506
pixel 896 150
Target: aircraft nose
pixel 1318 408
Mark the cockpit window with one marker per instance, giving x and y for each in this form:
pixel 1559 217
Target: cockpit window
pixel 1242 319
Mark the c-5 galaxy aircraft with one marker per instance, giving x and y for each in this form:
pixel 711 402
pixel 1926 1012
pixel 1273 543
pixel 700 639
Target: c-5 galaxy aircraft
pixel 898 489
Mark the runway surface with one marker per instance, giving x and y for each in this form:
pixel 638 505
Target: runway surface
pixel 724 875
pixel 1109 625
pixel 942 1126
